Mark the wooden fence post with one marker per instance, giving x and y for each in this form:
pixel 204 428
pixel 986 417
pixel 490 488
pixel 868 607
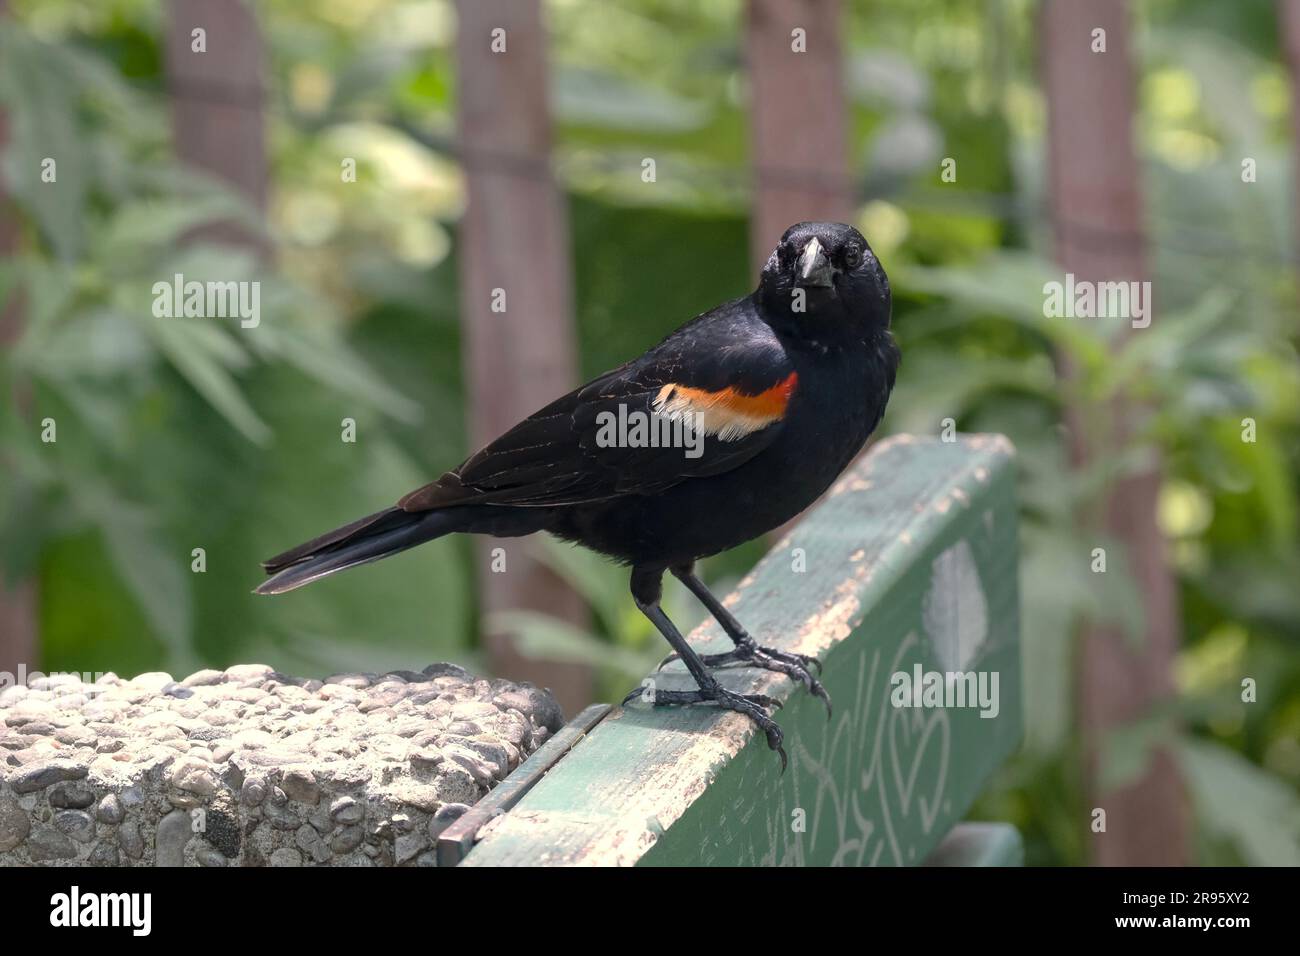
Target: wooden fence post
pixel 799 124
pixel 515 298
pixel 1096 204
pixel 1289 23
pixel 18 634
pixel 217 101
pixel 799 118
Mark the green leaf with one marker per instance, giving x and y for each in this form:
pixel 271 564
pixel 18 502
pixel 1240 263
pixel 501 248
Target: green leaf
pixel 1237 800
pixel 140 230
pixel 194 351
pixel 147 563
pixel 41 99
pixel 333 364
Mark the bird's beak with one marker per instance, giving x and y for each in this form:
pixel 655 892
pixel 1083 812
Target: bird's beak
pixel 814 267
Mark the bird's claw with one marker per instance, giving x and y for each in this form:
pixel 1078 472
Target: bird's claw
pixel 797 666
pixel 751 705
pixel 808 661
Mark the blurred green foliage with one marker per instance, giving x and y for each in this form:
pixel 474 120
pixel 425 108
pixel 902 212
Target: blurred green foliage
pixel 181 435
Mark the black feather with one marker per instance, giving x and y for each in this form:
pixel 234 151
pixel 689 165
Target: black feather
pixel 377 536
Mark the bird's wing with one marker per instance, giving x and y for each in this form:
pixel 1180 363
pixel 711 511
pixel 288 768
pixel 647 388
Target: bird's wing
pixel 707 399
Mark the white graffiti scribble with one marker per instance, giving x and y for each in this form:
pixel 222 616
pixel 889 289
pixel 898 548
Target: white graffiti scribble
pixel 877 766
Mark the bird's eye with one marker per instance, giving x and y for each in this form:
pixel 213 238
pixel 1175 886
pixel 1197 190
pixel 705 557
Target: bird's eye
pixel 853 255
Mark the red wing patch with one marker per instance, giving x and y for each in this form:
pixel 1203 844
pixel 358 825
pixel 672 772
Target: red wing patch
pixel 728 413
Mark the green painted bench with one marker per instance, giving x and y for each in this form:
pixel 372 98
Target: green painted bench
pixel 905 572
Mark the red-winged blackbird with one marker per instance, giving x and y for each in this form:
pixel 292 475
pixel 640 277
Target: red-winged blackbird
pixel 761 403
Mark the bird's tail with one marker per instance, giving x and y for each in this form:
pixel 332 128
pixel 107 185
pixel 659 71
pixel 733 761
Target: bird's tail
pixel 369 539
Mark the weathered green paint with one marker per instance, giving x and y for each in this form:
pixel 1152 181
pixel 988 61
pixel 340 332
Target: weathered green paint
pixel 979 844
pixel 458 839
pixel 911 559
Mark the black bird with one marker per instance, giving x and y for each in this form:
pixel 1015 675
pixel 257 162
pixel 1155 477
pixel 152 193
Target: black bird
pixel 769 398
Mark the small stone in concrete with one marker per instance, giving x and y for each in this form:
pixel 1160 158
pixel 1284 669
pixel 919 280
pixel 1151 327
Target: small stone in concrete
pixel 426 760
pixel 77 824
pixel 253 674
pixel 110 810
pixel 38 776
pixel 194 776
pixel 300 785
pixel 14 824
pixel 472 762
pixel 71 796
pixel 204 678
pixel 347 810
pixel 347 839
pixel 286 856
pixel 282 816
pixel 46 844
pixel 252 793
pixel 155 681
pixel 445 670
pixel 531 702
pixel 208 856
pixel 406 846
pixel 129 839
pixel 309 841
pixel 104 854
pixel 174 832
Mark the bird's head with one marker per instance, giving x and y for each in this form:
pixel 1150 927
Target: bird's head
pixel 823 277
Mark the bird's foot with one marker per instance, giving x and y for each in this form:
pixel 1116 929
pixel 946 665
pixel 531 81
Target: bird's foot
pixel 751 705
pixel 751 654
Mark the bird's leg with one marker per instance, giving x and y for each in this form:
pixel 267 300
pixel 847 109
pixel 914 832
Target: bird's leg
pixel 646 589
pixel 748 652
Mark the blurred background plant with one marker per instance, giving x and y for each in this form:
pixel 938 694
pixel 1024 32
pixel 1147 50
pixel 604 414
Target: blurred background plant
pixel 177 435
